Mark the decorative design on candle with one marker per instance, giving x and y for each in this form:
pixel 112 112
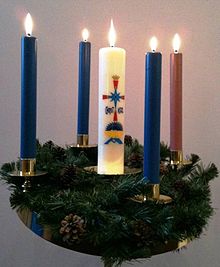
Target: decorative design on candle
pixel 176 102
pixel 114 130
pixel 111 107
pixel 84 89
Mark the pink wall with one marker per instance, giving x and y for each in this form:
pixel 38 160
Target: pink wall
pixel 58 28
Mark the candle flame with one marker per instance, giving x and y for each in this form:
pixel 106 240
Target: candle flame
pixel 176 43
pixel 153 43
pixel 112 35
pixel 85 35
pixel 28 24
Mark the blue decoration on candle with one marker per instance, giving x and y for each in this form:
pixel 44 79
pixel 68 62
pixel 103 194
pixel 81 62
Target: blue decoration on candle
pixel 152 118
pixel 83 87
pixel 28 97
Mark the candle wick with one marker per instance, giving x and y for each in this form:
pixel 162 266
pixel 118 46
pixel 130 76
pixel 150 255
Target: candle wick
pixel 29 35
pixel 175 51
pixel 153 50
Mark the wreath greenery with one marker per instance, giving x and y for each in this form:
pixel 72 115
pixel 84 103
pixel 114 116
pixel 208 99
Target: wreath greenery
pixel 95 213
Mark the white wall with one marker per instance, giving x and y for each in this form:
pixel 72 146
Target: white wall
pixel 58 25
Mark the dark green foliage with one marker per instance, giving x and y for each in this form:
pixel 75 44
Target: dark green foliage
pixel 8 167
pixel 107 221
pixel 164 151
pixel 133 153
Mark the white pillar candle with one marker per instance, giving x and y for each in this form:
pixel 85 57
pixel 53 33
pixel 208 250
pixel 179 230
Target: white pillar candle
pixel 111 107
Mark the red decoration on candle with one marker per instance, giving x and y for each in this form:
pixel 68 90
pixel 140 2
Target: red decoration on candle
pixel 115 118
pixel 115 82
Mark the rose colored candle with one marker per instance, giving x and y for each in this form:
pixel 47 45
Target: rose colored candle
pixel 176 96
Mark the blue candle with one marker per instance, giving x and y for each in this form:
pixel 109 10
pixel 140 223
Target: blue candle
pixel 152 115
pixel 84 85
pixel 28 92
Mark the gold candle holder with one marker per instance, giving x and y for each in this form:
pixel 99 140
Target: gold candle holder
pixel 82 139
pixel 154 195
pixel 27 170
pixel 82 142
pixel 82 146
pixel 27 167
pixel 127 171
pixel 177 159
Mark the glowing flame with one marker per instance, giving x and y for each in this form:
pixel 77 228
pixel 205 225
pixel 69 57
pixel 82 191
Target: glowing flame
pixel 176 43
pixel 28 24
pixel 85 35
pixel 112 35
pixel 153 43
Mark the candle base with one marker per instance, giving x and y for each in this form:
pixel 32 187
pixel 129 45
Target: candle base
pixel 82 142
pixel 27 167
pixel 176 158
pixel 27 170
pixel 127 171
pixel 154 195
pixel 90 151
pixel 83 139
pixel 83 146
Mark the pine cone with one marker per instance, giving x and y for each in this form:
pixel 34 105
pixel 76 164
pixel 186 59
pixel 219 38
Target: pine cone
pixel 135 160
pixel 182 189
pixel 179 185
pixel 163 168
pixel 72 229
pixel 128 140
pixel 67 176
pixel 142 233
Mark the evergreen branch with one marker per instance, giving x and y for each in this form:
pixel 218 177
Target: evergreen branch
pixel 107 220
